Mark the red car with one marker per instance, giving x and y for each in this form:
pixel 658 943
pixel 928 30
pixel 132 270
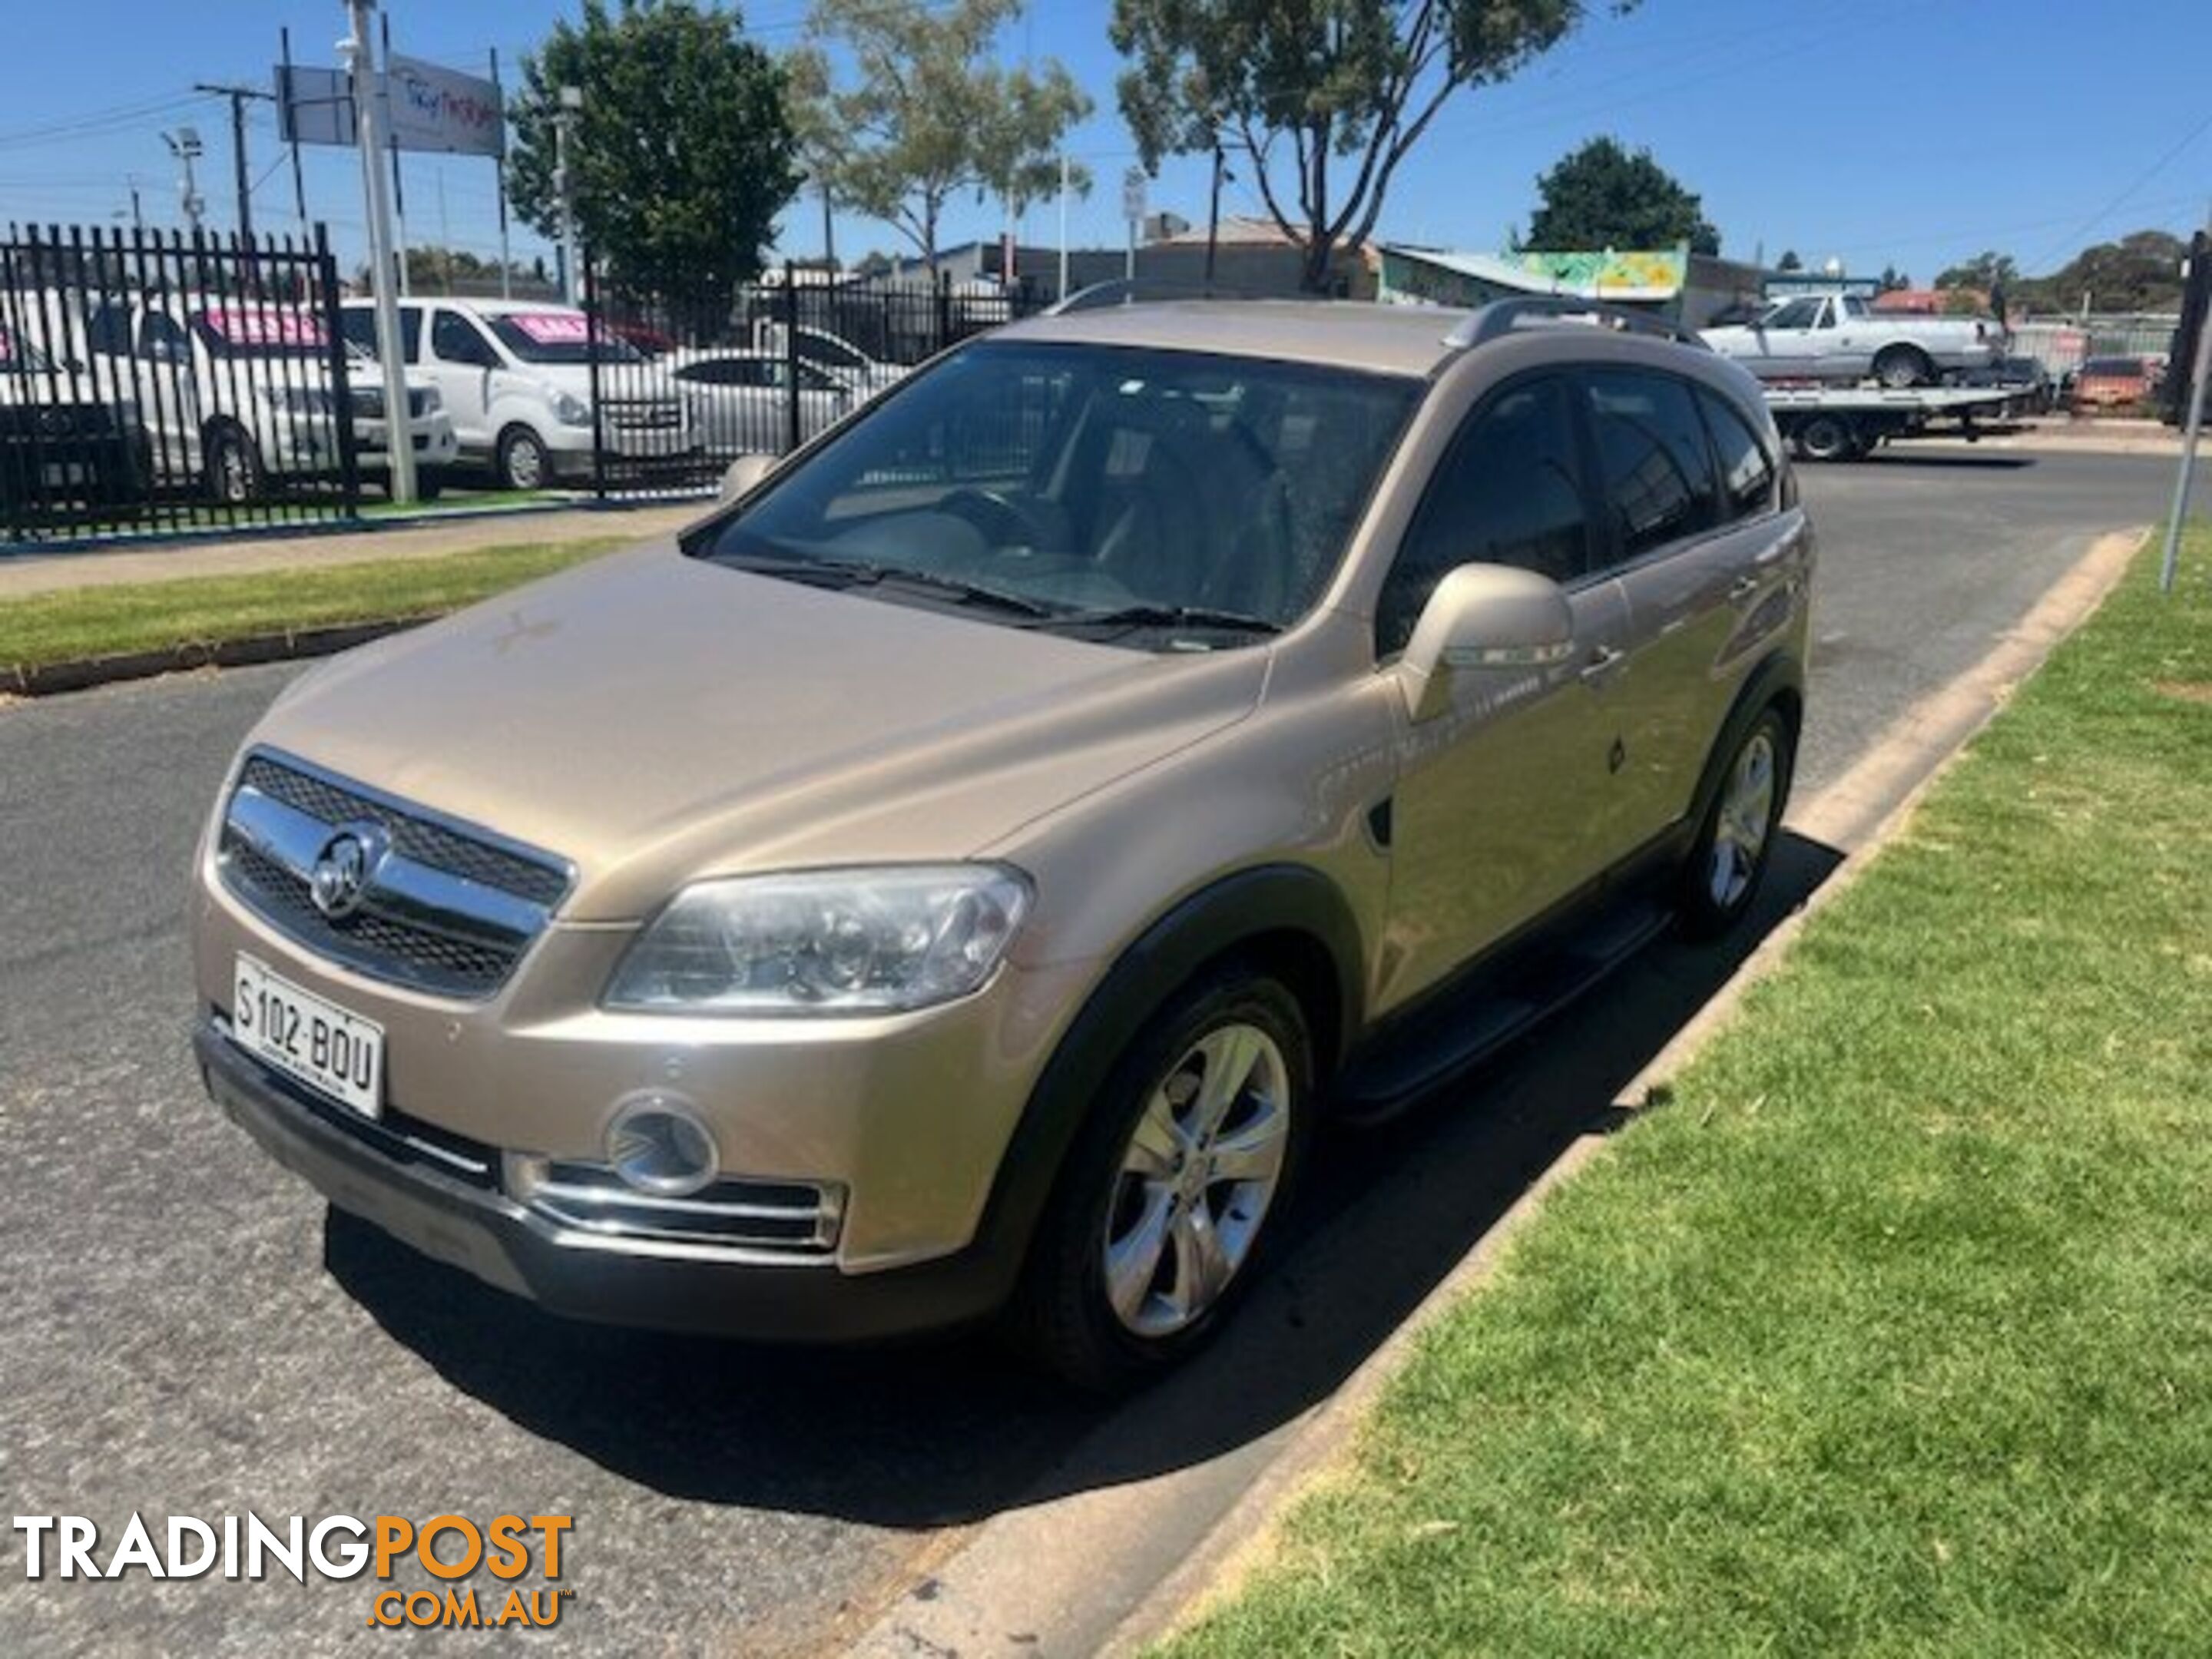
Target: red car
pixel 2112 383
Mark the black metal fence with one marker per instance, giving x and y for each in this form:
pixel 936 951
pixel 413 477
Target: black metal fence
pixel 162 383
pixel 683 384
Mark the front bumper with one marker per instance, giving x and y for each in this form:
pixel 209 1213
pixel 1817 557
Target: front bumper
pixel 375 1174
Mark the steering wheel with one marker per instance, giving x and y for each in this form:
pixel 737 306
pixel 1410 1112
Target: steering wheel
pixel 1002 521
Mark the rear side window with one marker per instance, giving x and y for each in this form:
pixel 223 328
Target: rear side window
pixel 1507 492
pixel 1651 446
pixel 1746 470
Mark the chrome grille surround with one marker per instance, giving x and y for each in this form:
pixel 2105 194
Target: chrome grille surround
pixel 450 909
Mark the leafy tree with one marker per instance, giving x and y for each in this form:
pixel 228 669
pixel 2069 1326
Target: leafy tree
pixel 1789 261
pixel 682 155
pixel 1602 196
pixel 928 114
pixel 1348 88
pixel 1893 279
pixel 2141 271
pixel 1985 271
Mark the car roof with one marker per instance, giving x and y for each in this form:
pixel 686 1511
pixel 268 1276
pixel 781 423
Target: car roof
pixel 1343 334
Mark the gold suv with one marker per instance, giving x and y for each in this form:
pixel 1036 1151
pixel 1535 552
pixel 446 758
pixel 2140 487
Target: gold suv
pixel 955 878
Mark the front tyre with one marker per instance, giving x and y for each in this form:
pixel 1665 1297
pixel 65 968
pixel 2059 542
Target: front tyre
pixel 521 462
pixel 1737 843
pixel 1174 1187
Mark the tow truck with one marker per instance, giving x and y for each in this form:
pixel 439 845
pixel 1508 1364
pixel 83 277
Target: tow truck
pixel 1848 423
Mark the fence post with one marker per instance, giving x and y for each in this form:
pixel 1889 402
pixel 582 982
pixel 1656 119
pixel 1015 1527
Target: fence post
pixel 944 314
pixel 399 409
pixel 790 358
pixel 591 287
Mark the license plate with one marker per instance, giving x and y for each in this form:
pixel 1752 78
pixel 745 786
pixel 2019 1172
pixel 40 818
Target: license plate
pixel 338 1053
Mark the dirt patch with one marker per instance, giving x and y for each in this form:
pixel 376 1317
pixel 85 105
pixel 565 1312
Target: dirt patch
pixel 2196 691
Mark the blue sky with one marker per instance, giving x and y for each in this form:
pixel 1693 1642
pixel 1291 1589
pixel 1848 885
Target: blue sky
pixel 1906 132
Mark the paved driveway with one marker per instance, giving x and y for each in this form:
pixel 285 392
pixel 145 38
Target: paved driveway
pixel 188 1332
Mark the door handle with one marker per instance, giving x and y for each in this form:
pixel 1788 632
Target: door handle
pixel 1603 661
pixel 1744 588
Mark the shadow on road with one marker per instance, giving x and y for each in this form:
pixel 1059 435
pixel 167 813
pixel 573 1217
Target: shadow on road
pixel 1891 457
pixel 953 1431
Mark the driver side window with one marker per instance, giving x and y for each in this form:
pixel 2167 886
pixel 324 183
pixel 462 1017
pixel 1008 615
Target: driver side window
pixel 455 339
pixel 1509 491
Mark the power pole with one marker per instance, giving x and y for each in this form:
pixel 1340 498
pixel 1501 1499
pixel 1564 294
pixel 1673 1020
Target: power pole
pixel 238 95
pixel 358 52
pixel 184 144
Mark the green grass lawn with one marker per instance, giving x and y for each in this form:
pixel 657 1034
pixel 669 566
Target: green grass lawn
pixel 101 622
pixel 1891 1334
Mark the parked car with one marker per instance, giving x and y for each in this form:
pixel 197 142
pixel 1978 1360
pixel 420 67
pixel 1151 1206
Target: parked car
pixel 1838 336
pixel 838 358
pixel 2026 377
pixel 740 402
pixel 61 443
pixel 238 394
pixel 953 878
pixel 2111 384
pixel 516 376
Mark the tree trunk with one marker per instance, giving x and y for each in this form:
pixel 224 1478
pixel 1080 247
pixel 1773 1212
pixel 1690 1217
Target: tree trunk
pixel 1314 276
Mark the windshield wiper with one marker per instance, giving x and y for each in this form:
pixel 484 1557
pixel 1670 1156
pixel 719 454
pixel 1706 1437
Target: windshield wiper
pixel 1196 617
pixel 854 572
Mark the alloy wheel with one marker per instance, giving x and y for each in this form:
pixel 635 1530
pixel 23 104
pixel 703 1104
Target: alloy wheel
pixel 1198 1174
pixel 1746 820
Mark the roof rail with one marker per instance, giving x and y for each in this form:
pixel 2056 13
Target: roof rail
pixel 1118 292
pixel 1501 317
pixel 1137 290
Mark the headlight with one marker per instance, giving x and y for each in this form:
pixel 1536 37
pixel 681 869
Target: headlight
pixel 826 942
pixel 571 411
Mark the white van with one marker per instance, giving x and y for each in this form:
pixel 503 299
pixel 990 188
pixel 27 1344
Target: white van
pixel 516 377
pixel 234 393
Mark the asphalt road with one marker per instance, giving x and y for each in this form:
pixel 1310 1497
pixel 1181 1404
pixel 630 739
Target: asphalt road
pixel 188 1332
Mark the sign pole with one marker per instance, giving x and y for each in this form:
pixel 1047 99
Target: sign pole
pixel 506 259
pixel 1133 210
pixel 359 55
pixel 2192 431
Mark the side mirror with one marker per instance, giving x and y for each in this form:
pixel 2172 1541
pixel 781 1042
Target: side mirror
pixel 1484 617
pixel 744 475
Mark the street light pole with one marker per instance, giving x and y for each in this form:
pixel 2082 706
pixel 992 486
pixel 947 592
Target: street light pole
pixel 359 56
pixel 572 102
pixel 184 144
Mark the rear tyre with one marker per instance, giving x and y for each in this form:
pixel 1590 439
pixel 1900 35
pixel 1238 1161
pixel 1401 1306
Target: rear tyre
pixel 429 484
pixel 1735 843
pixel 1173 1188
pixel 1827 437
pixel 521 462
pixel 1900 367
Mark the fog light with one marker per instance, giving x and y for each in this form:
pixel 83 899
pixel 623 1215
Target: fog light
pixel 657 1144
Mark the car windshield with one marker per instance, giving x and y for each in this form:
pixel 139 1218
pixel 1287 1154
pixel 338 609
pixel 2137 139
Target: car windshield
pixel 559 336
pixel 1156 498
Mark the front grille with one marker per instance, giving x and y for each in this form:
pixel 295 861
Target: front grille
pixel 795 1218
pixel 446 908
pixel 417 838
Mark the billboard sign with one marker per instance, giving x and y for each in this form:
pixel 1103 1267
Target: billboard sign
pixel 428 109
